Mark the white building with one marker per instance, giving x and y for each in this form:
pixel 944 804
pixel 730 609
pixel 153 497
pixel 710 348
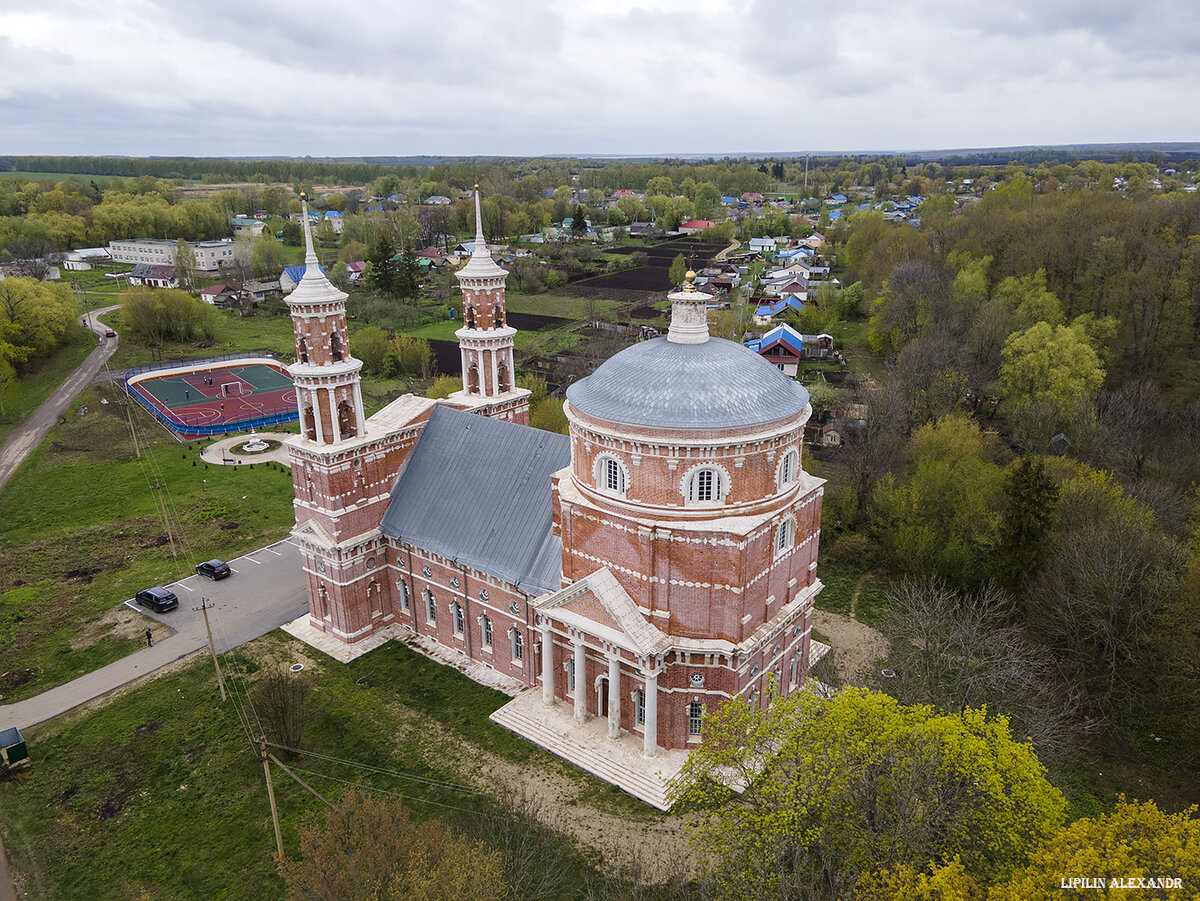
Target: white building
pixel 210 255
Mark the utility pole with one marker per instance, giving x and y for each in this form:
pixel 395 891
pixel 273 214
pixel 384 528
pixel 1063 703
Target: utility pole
pixel 264 755
pixel 204 607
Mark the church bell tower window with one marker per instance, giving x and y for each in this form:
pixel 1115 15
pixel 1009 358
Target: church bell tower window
pixel 335 346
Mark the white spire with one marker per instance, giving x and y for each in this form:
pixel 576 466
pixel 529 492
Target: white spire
pixel 481 262
pixel 689 314
pixel 314 287
pixel 310 255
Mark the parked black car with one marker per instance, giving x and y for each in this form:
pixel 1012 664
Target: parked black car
pixel 158 599
pixel 214 569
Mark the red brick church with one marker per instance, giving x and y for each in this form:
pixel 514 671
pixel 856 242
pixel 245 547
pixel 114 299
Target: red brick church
pixel 660 558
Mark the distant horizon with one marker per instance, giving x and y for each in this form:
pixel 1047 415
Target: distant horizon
pixel 932 153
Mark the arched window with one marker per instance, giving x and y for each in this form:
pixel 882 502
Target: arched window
pixel 639 705
pixel 785 535
pixel 430 606
pixel 706 485
pixel 486 624
pixel 310 424
pixel 335 346
pixel 402 590
pixel 502 374
pixel 473 380
pixel 610 475
pixel 570 677
pixel 302 349
pixel 346 419
pixel 499 316
pixel 470 317
pixel 518 645
pixel 788 470
pixel 458 618
pixel 695 717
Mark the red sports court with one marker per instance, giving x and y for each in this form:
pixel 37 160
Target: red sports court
pixel 214 397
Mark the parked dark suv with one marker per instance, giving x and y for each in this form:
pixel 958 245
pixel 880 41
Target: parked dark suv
pixel 214 569
pixel 158 599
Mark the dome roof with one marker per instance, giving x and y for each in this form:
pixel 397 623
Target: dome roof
pixel 715 384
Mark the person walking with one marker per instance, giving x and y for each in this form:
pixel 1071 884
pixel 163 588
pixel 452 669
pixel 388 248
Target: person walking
pixel 149 639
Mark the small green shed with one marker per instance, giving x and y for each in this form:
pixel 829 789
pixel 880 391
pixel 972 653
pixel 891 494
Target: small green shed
pixel 12 748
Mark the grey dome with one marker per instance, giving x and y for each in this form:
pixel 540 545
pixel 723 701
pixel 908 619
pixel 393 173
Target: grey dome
pixel 713 385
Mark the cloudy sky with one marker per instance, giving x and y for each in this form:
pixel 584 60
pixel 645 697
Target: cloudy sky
pixel 529 77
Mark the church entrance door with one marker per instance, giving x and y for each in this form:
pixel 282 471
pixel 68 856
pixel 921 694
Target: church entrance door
pixel 602 696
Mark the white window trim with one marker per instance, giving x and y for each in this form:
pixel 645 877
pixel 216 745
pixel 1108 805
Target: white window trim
pixel 790 459
pixel 600 474
pixel 785 536
pixel 722 483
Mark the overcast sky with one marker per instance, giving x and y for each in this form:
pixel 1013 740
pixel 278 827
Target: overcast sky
pixel 530 77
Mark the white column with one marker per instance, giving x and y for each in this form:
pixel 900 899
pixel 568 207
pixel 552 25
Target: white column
pixel 547 665
pixel 581 688
pixel 495 374
pixel 462 351
pixel 650 745
pixel 316 405
pixel 358 407
pixel 333 417
pixel 614 697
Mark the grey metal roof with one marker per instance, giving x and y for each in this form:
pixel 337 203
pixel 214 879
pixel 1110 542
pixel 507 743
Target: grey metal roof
pixel 477 490
pixel 713 385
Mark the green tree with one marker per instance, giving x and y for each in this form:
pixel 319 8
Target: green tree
pixel 266 257
pixel 660 184
pixel 706 200
pixel 1030 299
pixel 1030 496
pixel 373 346
pixel 293 233
pixel 185 265
pixel 1052 364
pixel 679 270
pixel 382 277
pixel 549 416
pixel 414 356
pixel 444 385
pixel 34 317
pixel 1135 841
pixel 855 784
pixel 941 515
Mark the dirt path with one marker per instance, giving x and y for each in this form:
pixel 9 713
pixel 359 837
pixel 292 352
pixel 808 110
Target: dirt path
pixel 856 646
pixel 24 438
pixel 561 797
pixel 857 591
pixel 728 250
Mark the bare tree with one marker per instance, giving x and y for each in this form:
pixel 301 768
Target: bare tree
pixel 280 699
pixel 957 649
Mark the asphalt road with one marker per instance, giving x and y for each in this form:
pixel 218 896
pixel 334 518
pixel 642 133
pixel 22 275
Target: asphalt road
pixel 28 435
pixel 265 591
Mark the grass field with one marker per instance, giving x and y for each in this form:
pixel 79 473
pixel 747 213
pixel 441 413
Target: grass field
pixel 56 176
pixel 159 794
pixel 263 332
pixel 43 378
pixel 82 532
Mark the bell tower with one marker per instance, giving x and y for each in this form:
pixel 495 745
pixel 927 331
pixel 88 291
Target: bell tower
pixel 486 339
pixel 326 377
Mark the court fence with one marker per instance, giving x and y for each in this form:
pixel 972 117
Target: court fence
pixel 196 429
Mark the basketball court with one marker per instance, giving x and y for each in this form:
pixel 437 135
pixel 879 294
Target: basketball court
pixel 211 397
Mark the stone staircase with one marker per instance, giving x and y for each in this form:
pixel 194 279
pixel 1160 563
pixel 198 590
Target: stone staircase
pixel 587 746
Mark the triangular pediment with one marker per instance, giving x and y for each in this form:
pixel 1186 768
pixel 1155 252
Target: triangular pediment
pixel 310 532
pixel 598 605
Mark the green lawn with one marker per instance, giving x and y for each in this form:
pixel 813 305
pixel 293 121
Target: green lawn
pixel 82 532
pixel 159 794
pixel 43 377
pixel 563 305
